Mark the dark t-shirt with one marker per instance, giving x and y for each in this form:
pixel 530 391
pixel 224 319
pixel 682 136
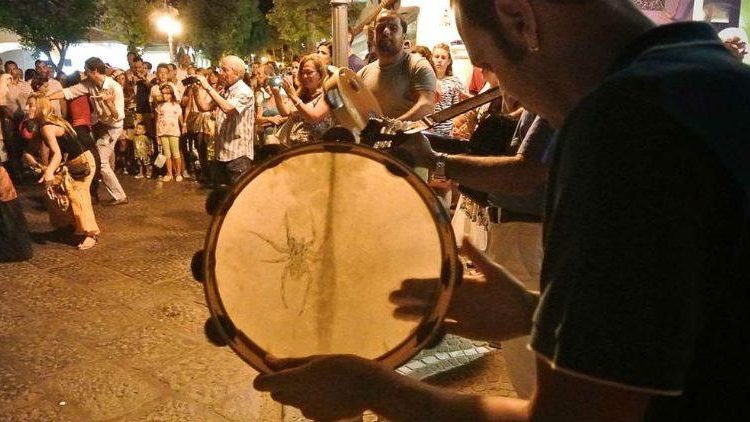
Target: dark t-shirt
pixel 645 276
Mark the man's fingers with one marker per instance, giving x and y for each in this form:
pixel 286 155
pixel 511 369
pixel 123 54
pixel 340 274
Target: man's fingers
pixel 483 264
pixel 287 363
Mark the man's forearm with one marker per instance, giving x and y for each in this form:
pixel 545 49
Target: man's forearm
pixel 419 110
pixel 511 175
pixel 220 101
pixel 57 95
pixel 406 399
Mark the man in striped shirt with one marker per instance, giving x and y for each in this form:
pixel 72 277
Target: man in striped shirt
pixel 235 119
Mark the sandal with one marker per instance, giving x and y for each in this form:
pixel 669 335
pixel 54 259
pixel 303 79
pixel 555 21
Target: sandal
pixel 87 243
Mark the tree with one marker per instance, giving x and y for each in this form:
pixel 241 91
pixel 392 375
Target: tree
pixel 128 20
pixel 49 25
pixel 302 23
pixel 225 27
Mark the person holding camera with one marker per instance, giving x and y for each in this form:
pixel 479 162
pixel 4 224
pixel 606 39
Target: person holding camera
pixel 235 119
pixel 311 116
pixel 268 119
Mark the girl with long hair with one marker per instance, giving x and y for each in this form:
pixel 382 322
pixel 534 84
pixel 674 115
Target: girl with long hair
pixel 169 127
pixel 451 89
pixel 61 139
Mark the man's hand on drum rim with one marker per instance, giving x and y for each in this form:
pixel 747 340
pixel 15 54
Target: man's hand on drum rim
pixel 493 306
pixel 329 387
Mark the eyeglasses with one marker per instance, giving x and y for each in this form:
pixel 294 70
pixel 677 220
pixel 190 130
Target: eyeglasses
pixel 308 73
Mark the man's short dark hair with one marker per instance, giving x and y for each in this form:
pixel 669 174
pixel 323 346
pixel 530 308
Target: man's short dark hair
pixel 95 64
pixel 37 62
pixel 172 66
pixel 137 58
pixel 162 65
pixel 9 62
pixel 392 13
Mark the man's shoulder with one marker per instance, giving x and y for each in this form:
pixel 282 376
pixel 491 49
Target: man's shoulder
pixel 368 68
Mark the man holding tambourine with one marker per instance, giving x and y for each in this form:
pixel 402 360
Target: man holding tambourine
pixel 642 314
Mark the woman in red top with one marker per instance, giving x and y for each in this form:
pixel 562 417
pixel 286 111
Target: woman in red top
pixel 79 116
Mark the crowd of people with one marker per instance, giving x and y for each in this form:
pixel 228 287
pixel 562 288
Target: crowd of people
pixel 602 133
pixel 179 122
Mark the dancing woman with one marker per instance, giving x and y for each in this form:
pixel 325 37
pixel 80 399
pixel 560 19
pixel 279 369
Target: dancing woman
pixel 60 137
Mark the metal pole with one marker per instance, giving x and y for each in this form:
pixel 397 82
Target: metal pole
pixel 340 32
pixel 169 40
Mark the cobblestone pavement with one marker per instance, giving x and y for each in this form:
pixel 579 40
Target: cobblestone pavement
pixel 116 332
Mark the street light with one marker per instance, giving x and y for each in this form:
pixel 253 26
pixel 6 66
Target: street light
pixel 168 24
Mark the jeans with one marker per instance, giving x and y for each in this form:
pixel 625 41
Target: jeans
pixel 231 171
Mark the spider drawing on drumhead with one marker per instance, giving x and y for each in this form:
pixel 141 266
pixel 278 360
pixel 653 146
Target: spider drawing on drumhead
pixel 299 254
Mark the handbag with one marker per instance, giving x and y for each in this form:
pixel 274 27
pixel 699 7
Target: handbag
pixel 160 159
pixel 78 168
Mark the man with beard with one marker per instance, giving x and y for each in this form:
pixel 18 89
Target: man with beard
pixel 403 83
pixel 643 310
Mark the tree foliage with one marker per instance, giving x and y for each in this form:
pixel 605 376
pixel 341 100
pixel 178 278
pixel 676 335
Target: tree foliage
pixel 302 23
pixel 224 27
pixel 49 25
pixel 129 21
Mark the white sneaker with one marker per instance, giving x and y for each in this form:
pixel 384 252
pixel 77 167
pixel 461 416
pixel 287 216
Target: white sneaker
pixel 178 179
pixel 166 179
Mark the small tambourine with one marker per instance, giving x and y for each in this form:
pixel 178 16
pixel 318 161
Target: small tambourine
pixel 305 249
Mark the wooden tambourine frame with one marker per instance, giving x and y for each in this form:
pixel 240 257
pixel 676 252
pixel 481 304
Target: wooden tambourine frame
pixel 427 329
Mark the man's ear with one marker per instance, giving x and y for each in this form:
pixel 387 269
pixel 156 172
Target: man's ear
pixel 518 16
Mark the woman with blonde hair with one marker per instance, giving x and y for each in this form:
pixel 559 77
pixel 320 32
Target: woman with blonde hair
pixel 61 139
pixel 312 116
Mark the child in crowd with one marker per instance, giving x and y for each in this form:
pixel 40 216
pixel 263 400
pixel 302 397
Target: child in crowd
pixel 169 127
pixel 144 148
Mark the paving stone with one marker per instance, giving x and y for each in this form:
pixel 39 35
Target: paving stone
pixel 39 355
pixel 42 412
pixel 101 391
pixel 84 272
pixel 206 377
pixel 188 315
pixel 16 387
pixel 174 410
pixel 147 347
pixel 246 404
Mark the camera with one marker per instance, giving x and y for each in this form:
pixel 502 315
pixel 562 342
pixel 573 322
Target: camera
pixel 275 81
pixel 189 81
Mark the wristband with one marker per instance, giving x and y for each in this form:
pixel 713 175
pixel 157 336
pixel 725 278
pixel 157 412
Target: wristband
pixel 439 171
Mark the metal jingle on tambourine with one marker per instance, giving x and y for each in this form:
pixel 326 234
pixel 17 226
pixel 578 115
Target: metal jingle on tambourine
pixel 303 254
pixel 351 102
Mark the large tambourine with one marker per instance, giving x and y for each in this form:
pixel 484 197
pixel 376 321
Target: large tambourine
pixel 303 253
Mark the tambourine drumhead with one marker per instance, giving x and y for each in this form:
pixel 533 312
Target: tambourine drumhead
pixel 304 253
